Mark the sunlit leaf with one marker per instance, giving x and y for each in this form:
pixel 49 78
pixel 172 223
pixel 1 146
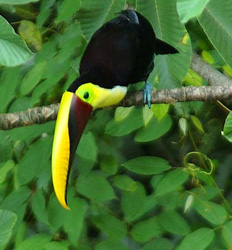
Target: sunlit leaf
pixel 13 49
pixel 189 9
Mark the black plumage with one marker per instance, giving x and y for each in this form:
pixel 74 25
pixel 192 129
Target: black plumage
pixel 121 52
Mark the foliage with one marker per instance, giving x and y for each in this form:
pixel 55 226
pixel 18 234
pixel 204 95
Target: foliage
pixel 141 179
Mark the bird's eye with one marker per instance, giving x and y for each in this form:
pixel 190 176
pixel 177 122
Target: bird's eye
pixel 86 95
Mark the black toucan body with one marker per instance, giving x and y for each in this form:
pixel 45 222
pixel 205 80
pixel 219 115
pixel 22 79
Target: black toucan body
pixel 119 53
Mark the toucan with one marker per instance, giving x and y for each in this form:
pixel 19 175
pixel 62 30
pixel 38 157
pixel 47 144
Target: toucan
pixel 119 53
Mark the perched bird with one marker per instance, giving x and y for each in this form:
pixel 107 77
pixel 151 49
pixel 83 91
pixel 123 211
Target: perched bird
pixel 119 53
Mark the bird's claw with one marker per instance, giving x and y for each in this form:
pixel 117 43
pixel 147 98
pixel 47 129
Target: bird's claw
pixel 147 89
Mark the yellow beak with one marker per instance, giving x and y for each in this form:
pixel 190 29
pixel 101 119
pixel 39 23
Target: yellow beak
pixel 71 121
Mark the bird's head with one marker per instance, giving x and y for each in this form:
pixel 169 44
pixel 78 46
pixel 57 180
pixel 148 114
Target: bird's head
pixel 74 112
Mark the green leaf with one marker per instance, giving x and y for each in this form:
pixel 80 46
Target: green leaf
pixel 174 223
pixel 197 123
pixel 36 242
pixel 158 244
pixel 125 183
pixel 5 169
pixel 188 9
pixel 169 70
pixel 95 187
pixel 216 21
pixel 211 211
pixel 147 165
pixel 160 110
pixel 132 122
pixel 131 203
pixel 30 34
pixel 74 220
pixel 32 78
pixel 183 125
pixel 154 129
pixel 171 181
pixel 227 233
pixel 13 50
pixel 109 165
pixel 7 91
pixel 145 230
pixel 197 240
pixel 93 14
pixel 16 199
pixel 32 165
pixel 110 244
pixel 17 1
pixel 38 206
pixel 112 226
pixel 227 130
pixel 55 210
pixel 7 222
pixel 87 147
pixel 121 113
pixel 54 245
pixel 44 12
pixel 67 9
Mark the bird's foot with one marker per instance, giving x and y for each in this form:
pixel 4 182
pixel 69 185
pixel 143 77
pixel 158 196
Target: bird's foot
pixel 147 89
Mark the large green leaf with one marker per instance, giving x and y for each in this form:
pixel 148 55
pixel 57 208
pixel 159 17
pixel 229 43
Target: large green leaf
pixel 132 202
pixel 154 129
pixel 111 225
pixel 197 240
pixel 13 50
pixel 74 220
pixel 36 242
pixel 7 222
pixel 216 20
pixel 93 14
pixel 188 9
pixel 95 187
pixel 170 70
pixel 16 199
pixel 174 223
pixel 33 164
pixel 171 181
pixel 133 121
pixel 145 230
pixel 211 211
pixel 39 207
pixel 147 165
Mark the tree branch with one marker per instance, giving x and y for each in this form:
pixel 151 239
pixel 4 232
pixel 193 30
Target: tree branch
pixel 221 89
